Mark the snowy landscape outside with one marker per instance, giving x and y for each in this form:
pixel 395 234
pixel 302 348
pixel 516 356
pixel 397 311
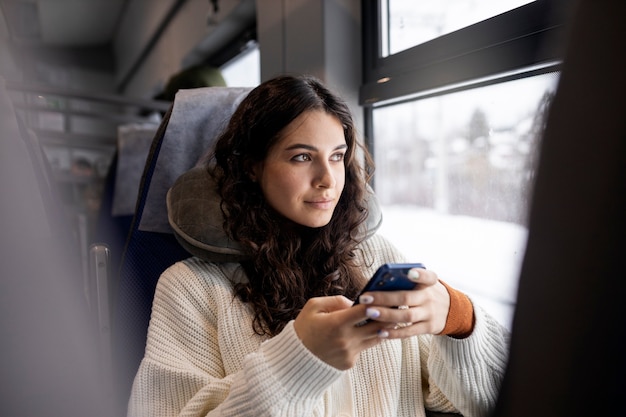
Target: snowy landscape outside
pixel 479 257
pixel 454 176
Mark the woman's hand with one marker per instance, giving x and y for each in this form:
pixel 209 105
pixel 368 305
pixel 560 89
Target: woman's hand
pixel 327 327
pixel 423 310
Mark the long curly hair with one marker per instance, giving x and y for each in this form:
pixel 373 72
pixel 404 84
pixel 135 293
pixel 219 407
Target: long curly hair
pixel 288 263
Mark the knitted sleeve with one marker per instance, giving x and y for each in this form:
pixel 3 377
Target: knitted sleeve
pixel 461 373
pixel 468 372
pixel 189 370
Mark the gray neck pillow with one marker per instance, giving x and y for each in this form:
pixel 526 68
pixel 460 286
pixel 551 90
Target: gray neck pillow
pixel 193 210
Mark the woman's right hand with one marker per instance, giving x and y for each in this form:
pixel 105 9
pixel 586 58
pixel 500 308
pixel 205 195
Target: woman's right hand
pixel 327 327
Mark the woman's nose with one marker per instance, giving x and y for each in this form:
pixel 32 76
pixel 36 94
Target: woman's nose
pixel 325 177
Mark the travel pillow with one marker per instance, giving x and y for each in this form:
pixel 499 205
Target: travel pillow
pixel 193 210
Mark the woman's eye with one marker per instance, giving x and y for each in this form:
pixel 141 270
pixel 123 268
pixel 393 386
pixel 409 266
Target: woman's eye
pixel 337 157
pixel 302 157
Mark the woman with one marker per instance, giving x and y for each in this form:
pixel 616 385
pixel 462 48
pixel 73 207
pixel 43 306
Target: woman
pixel 276 334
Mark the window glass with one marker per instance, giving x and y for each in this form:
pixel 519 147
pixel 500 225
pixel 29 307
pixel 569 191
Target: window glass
pixel 407 23
pixel 453 175
pixel 244 70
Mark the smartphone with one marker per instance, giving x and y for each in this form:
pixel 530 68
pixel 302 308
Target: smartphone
pixel 390 277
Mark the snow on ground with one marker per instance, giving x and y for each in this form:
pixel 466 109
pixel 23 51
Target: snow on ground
pixel 479 257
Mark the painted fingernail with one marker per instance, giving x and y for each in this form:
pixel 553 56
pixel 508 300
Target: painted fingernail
pixel 413 274
pixel 383 334
pixel 366 299
pixel 372 313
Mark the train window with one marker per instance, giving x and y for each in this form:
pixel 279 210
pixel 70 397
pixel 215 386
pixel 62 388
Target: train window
pixel 244 70
pixel 454 100
pixel 406 23
pixel 453 173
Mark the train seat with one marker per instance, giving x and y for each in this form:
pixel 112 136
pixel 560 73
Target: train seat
pixel 184 135
pixel 119 194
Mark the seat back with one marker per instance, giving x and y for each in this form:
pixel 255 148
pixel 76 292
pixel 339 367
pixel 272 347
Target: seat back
pixel 49 352
pixel 121 187
pixel 184 136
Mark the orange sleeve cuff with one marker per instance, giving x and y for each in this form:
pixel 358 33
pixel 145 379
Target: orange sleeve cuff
pixel 460 321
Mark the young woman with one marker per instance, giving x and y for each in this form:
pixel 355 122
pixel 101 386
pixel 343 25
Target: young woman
pixel 276 334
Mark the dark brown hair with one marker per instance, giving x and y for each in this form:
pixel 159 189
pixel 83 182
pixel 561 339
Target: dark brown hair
pixel 289 263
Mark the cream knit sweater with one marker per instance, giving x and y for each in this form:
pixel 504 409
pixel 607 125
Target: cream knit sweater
pixel 203 359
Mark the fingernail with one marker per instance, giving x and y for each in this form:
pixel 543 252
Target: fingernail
pixel 366 299
pixel 372 313
pixel 413 274
pixel 383 333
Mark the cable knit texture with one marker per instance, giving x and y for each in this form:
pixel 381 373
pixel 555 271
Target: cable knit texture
pixel 203 359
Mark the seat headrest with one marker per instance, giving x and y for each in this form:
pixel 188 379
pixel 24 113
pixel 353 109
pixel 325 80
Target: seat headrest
pixel 194 213
pixel 133 147
pixel 197 118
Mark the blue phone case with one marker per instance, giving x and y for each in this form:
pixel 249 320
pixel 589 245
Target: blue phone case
pixel 391 277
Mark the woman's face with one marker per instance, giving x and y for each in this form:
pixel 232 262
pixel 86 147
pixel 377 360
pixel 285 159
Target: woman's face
pixel 303 175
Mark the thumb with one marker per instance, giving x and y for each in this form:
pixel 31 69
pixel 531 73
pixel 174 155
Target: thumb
pixel 422 276
pixel 340 302
pixel 330 303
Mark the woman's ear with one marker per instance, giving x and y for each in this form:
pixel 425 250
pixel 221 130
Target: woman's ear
pixel 253 170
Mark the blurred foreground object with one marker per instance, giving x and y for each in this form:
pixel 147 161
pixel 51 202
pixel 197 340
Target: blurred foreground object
pixel 50 363
pixel 568 354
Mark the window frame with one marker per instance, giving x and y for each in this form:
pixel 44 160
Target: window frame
pixel 529 36
pixel 523 42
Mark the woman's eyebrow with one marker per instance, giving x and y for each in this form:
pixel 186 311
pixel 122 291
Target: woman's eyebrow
pixel 312 148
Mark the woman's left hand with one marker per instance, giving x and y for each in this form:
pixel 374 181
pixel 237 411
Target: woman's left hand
pixel 423 310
